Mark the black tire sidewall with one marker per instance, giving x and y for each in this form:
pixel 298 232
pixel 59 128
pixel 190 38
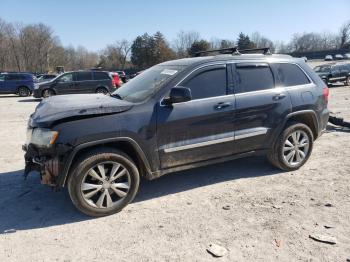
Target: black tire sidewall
pixel 102 90
pixel 79 170
pixel 26 91
pixel 285 134
pixel 50 92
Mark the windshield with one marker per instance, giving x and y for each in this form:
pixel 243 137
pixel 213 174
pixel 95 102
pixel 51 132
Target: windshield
pixel 321 69
pixel 147 83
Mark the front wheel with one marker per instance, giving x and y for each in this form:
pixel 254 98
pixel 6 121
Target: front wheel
pixel 293 148
pixel 102 90
pixel 47 93
pixel 23 91
pixel 103 182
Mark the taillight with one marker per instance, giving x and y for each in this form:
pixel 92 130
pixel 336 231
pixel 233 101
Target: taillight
pixel 326 93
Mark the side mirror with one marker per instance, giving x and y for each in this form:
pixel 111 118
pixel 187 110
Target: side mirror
pixel 177 95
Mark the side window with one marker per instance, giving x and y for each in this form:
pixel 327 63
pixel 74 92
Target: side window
pixel 2 77
pixel 12 77
pixel 66 78
pixel 289 75
pixel 253 77
pixel 100 76
pixel 209 82
pixel 84 76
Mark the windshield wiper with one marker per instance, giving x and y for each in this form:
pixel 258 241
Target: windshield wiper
pixel 117 96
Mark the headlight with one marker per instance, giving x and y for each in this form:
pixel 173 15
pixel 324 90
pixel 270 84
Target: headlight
pixel 36 86
pixel 42 137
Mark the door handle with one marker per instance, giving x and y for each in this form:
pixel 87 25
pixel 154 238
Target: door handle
pixel 278 97
pixel 222 105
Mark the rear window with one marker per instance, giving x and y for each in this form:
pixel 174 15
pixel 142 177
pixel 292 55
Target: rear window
pixel 84 76
pixel 289 75
pixel 253 77
pixel 101 76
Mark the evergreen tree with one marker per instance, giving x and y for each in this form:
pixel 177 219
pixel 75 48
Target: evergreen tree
pixel 243 42
pixel 198 46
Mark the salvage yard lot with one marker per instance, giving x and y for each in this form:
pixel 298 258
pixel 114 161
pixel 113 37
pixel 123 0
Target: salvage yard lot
pixel 268 214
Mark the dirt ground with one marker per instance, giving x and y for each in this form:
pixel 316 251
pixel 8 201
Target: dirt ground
pixel 269 217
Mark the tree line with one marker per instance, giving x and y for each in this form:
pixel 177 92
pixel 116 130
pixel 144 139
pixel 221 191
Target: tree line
pixel 35 48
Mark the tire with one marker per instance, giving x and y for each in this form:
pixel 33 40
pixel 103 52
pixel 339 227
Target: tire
pixel 281 155
pixel 47 93
pixel 83 182
pixel 102 90
pixel 23 91
pixel 347 82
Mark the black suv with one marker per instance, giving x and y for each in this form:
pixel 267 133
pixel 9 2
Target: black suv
pixel 332 73
pixel 75 83
pixel 176 115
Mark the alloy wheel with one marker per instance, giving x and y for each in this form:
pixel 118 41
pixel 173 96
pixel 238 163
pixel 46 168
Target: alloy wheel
pixel 105 184
pixel 296 148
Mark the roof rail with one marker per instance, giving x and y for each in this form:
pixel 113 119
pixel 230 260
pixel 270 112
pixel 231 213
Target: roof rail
pixel 236 51
pixel 230 50
pixel 265 50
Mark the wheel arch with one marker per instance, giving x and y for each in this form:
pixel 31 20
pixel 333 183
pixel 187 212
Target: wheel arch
pixel 25 86
pixel 125 144
pixel 307 117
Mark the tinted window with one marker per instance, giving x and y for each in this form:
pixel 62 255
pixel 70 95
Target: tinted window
pixel 253 77
pixel 208 83
pixel 84 76
pixel 66 78
pixel 290 75
pixel 101 76
pixel 15 77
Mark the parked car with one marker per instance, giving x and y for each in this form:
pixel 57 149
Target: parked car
pixel 21 84
pixel 46 77
pixel 75 83
pixel 347 56
pixel 332 73
pixel 338 57
pixel 174 116
pixel 122 76
pixel 328 58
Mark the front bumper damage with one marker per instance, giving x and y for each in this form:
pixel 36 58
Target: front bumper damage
pixel 44 161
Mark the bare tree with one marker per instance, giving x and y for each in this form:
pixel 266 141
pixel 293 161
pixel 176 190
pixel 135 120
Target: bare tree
pixel 262 41
pixel 344 35
pixel 184 41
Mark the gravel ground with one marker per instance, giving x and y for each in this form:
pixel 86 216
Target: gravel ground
pixel 268 215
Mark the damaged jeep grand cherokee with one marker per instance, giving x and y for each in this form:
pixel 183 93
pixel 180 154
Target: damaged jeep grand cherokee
pixel 174 116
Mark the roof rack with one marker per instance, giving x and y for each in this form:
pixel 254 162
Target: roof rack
pixel 235 51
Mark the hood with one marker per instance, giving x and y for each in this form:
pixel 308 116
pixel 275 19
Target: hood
pixel 60 107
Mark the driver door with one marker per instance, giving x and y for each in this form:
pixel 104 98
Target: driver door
pixel 201 128
pixel 65 84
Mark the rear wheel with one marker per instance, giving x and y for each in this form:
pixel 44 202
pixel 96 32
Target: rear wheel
pixel 102 90
pixel 347 82
pixel 293 148
pixel 48 92
pixel 23 91
pixel 103 182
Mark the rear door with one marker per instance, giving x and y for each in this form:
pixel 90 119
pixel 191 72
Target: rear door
pixel 260 106
pixel 202 128
pixel 336 75
pixel 84 82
